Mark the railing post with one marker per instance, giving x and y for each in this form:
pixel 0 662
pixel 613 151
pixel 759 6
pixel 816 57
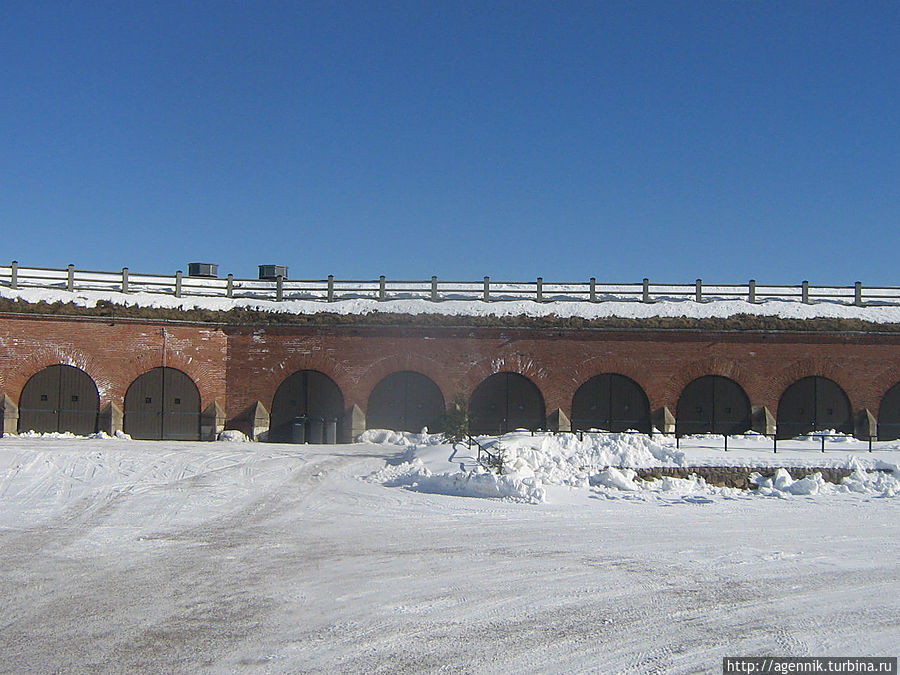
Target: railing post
pixel 804 292
pixel 593 290
pixel 751 297
pixel 178 284
pixel 124 279
pixel 279 288
pixel 434 295
pixel 330 288
pixel 70 280
pixel 14 274
pixel 229 286
pixel 540 289
pixel 646 294
pixel 698 292
pixel 381 295
pixel 857 294
pixel 486 296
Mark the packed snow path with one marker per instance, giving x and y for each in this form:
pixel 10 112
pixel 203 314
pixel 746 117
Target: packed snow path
pixel 122 556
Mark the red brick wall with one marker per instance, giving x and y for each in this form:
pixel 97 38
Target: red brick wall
pixel 237 366
pixel 559 361
pixel 113 352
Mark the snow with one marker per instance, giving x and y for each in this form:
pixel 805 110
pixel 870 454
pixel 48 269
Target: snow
pixel 119 556
pixel 610 307
pixel 536 463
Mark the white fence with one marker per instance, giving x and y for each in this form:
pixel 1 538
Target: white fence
pixel 487 290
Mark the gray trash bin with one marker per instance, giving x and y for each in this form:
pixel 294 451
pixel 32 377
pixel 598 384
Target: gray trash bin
pixel 331 430
pixel 316 430
pixel 298 430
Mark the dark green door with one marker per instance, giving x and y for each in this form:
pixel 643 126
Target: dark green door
pixel 813 404
pixel 163 404
pixel 310 398
pixel 611 402
pixel 506 401
pixel 59 398
pixel 405 401
pixel 712 405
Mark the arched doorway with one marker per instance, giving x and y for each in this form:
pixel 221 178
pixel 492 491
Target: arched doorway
pixel 308 402
pixel 889 415
pixel 813 404
pixel 612 402
pixel 163 404
pixel 712 404
pixel 405 401
pixel 506 401
pixel 59 398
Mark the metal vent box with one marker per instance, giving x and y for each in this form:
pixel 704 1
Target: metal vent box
pixel 203 270
pixel 273 271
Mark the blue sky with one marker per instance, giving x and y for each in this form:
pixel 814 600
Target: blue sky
pixel 673 140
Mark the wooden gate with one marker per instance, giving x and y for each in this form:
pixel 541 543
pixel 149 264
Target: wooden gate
pixel 712 405
pixel 611 402
pixel 813 404
pixel 506 401
pixel 308 398
pixel 405 401
pixel 59 398
pixel 163 404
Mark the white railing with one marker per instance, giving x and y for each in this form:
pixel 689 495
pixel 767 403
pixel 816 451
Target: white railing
pixel 487 290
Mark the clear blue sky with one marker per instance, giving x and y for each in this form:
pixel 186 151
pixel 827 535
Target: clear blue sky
pixel 673 140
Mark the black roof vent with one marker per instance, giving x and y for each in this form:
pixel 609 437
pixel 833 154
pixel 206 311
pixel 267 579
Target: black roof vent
pixel 272 271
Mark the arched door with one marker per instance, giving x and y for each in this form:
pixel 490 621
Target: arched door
pixel 889 415
pixel 405 401
pixel 813 404
pixel 59 398
pixel 612 402
pixel 506 401
pixel 712 405
pixel 163 404
pixel 310 398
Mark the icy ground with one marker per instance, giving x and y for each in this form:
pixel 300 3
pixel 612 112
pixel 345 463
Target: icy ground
pixel 120 555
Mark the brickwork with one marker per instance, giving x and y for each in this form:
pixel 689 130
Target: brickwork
pixel 237 366
pixel 113 352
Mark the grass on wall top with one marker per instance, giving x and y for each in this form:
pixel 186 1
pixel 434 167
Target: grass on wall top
pixel 242 316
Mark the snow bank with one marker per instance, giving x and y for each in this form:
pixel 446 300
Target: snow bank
pixel 475 483
pixel 68 435
pixel 234 436
pixel 683 307
pixel 606 463
pixel 401 438
pixel 877 484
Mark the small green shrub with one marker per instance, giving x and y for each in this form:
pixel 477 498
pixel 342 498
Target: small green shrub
pixel 456 420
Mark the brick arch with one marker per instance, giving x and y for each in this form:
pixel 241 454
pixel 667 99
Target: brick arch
pixel 600 365
pixel 104 379
pixel 881 384
pixel 784 378
pixel 207 380
pixel 524 364
pixel 272 378
pixel 381 368
pixel 692 370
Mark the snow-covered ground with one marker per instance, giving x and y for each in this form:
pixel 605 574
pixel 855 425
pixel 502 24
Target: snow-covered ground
pixel 120 555
pixel 611 307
